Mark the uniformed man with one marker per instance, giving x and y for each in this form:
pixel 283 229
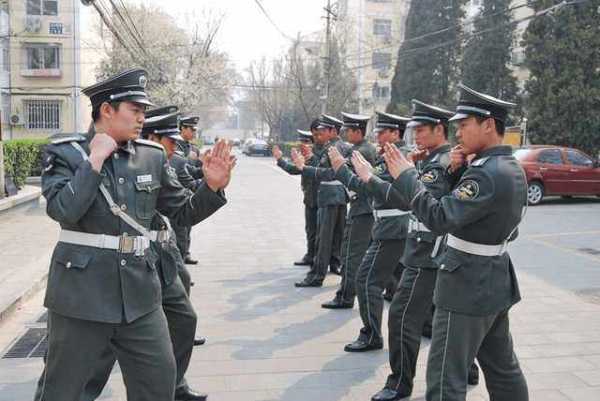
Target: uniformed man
pixel 359 221
pixel 103 288
pixel 189 151
pixel 412 302
pixel 178 309
pixel 332 199
pixel 476 284
pixel 382 258
pixel 311 148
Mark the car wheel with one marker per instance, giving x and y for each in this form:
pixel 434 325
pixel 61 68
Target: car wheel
pixel 535 193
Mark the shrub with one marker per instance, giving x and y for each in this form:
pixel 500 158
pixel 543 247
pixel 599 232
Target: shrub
pixel 22 158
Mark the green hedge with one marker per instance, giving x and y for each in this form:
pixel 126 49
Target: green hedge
pixel 286 147
pixel 23 158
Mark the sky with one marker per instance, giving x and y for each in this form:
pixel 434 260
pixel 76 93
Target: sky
pixel 247 34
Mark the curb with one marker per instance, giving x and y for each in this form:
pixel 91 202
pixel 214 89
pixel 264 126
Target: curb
pixel 27 194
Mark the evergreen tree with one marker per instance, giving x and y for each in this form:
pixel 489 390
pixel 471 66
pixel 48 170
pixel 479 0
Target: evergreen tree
pixel 427 66
pixel 563 91
pixel 488 50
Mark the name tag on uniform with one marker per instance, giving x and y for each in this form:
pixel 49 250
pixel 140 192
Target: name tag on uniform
pixel 144 178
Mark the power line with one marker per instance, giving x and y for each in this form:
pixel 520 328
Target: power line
pixel 266 14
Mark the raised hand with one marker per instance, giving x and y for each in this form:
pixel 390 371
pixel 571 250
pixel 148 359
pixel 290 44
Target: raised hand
pixel 277 153
pixel 298 159
pixel 396 162
pixel 336 158
pixel 363 168
pixel 101 147
pixel 458 158
pixel 306 151
pixel 417 155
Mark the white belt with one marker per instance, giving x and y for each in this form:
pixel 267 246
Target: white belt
pixel 415 225
pixel 389 213
pixel 122 243
pixel 336 182
pixel 476 249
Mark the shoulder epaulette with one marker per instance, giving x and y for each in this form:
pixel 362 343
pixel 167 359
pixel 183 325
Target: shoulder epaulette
pixel 480 162
pixel 179 153
pixel 66 139
pixel 149 143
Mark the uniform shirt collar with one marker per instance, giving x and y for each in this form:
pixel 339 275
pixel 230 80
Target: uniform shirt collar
pixel 128 147
pixel 500 150
pixel 442 149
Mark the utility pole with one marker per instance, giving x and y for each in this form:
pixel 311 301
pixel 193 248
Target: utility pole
pixel 329 16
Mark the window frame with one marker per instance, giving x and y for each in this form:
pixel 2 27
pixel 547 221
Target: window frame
pixel 41 5
pixel 539 157
pixel 41 114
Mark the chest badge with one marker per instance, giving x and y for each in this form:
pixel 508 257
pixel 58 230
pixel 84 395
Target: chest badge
pixel 144 178
pixel 430 177
pixel 467 190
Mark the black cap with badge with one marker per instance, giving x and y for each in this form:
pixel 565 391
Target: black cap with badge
pixel 424 113
pixel 390 121
pixel 326 121
pixel 189 121
pixel 163 125
pixel 305 136
pixel 476 104
pixel 127 86
pixel 161 111
pixel 355 121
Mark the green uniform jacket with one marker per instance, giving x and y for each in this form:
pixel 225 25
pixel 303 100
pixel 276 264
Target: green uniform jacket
pixel 181 166
pixel 101 284
pixel 309 187
pixel 432 173
pixel 386 228
pixel 320 175
pixel 485 207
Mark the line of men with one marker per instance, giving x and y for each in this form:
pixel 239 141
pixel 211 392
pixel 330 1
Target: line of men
pixel 118 288
pixel 436 221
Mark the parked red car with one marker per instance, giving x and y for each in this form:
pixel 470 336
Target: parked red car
pixel 555 170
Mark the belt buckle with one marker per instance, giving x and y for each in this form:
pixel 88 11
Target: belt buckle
pixel 140 244
pixel 126 243
pixel 162 236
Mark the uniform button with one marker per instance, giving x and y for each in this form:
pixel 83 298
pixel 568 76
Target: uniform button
pixel 116 156
pixel 121 180
pixel 123 207
pixel 68 265
pixel 442 266
pixel 123 262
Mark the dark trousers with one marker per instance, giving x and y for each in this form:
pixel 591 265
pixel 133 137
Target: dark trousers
pixel 409 312
pixel 457 340
pixel 379 263
pixel 310 226
pixel 77 348
pixel 330 222
pixel 182 233
pixel 392 284
pixel 357 237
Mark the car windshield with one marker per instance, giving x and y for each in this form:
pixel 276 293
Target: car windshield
pixel 520 154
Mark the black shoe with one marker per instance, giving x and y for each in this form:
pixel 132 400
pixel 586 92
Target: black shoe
pixel 388 296
pixel 187 394
pixel 309 283
pixel 305 261
pixel 387 394
pixel 189 261
pixel 335 270
pixel 199 341
pixel 336 303
pixel 427 331
pixel 473 378
pixel 362 346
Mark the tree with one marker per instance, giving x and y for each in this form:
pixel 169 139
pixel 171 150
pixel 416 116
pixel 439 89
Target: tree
pixel 563 91
pixel 427 59
pixel 184 66
pixel 487 52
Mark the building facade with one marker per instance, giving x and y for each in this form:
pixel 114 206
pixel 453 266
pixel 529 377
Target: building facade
pixel 41 74
pixel 373 31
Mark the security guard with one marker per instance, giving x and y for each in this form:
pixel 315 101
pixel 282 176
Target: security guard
pixel 178 309
pixel 103 288
pixel 189 151
pixel 359 222
pixel 331 199
pixel 476 284
pixel 412 302
pixel 382 258
pixel 309 140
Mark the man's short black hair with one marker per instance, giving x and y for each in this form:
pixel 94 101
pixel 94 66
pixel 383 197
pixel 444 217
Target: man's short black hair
pixel 314 124
pixel 444 126
pixel 500 126
pixel 96 110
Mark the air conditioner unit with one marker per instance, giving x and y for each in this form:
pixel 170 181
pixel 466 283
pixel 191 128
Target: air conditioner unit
pixel 383 74
pixel 33 23
pixel 16 119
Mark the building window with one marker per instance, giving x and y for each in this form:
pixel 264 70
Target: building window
pixel 42 57
pixel 382 27
pixel 42 114
pixel 380 1
pixel 382 61
pixel 381 92
pixel 42 7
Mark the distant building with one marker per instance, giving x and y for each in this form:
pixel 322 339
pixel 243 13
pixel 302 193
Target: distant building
pixel 40 74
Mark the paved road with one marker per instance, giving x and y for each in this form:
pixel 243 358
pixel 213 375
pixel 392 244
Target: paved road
pixel 270 341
